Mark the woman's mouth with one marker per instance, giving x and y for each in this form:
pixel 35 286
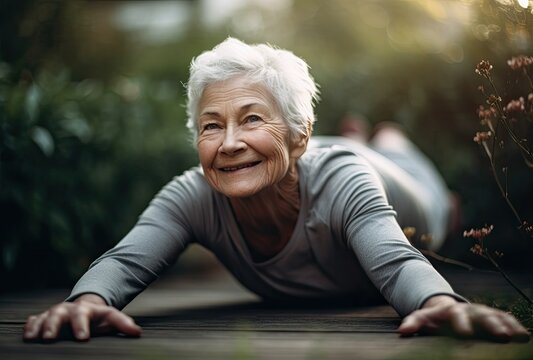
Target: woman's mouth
pixel 239 167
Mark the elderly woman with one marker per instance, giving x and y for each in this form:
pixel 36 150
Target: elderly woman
pixel 290 223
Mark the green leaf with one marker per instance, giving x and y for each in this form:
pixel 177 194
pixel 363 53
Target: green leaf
pixel 33 98
pixel 43 139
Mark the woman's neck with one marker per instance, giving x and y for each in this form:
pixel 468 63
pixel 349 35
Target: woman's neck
pixel 267 219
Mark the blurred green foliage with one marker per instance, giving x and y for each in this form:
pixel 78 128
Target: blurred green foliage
pixel 80 160
pixel 92 122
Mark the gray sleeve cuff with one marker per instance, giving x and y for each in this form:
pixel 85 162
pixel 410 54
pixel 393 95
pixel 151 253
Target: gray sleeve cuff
pixel 450 294
pixel 74 295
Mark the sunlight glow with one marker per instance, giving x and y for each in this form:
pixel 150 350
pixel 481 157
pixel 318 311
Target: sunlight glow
pixel 523 3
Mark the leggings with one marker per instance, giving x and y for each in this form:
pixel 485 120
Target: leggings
pixel 413 186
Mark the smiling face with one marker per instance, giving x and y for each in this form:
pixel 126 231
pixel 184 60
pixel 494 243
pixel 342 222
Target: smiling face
pixel 243 142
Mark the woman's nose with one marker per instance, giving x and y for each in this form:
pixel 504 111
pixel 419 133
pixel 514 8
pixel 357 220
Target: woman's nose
pixel 232 142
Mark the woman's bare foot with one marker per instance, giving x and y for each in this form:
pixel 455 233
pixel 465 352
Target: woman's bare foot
pixel 355 127
pixel 389 135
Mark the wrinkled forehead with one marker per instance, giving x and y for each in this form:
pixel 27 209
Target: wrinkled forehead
pixel 240 89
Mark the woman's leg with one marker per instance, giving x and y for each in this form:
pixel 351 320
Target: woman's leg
pixel 391 141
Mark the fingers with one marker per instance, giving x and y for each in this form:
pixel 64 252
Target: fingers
pixel 57 315
pixel 411 325
pixel 465 321
pixel 112 318
pixel 47 325
pixel 32 328
pixel 424 320
pixel 460 322
pixel 519 332
pixel 496 325
pixel 503 327
pixel 124 324
pixel 81 324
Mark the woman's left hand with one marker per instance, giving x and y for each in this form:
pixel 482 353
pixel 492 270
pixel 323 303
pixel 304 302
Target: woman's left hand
pixel 444 315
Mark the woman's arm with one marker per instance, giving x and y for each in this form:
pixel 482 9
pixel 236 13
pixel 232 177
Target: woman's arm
pixel 162 233
pixel 406 279
pixel 443 314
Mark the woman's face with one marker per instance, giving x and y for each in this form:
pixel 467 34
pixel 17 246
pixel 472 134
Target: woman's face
pixel 243 141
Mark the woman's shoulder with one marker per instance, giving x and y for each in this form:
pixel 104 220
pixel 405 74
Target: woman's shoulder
pixel 187 199
pixel 330 170
pixel 330 156
pixel 190 181
pixel 185 194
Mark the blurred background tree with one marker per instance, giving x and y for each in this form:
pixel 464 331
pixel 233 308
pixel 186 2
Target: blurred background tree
pixel 92 118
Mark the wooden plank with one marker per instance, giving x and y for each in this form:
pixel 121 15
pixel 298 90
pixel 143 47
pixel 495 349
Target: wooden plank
pixel 194 344
pixel 213 317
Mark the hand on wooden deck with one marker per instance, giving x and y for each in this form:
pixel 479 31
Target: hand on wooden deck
pixel 445 315
pixel 87 313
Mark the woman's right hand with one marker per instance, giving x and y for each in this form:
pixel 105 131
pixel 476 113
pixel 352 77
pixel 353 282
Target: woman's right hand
pixel 87 313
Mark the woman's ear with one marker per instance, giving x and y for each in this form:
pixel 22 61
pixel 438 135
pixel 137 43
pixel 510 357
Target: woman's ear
pixel 299 146
pixel 299 143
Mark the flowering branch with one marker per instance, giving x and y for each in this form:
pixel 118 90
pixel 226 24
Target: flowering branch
pixel 480 249
pixel 484 69
pixel 521 63
pixel 499 114
pixel 496 117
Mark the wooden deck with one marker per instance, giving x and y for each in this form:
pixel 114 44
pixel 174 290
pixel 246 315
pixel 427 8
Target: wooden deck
pixel 213 317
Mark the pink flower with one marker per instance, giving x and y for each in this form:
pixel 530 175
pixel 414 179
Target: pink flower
pixel 483 68
pixel 477 249
pixel 486 113
pixel 479 138
pixel 516 105
pixel 479 234
pixel 520 62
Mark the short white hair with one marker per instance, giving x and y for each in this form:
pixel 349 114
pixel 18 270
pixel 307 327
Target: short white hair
pixel 284 74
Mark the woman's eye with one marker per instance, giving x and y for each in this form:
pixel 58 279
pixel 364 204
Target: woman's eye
pixel 253 118
pixel 210 126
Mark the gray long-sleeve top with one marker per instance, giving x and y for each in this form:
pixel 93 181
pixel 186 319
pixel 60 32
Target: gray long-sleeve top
pixel 346 243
